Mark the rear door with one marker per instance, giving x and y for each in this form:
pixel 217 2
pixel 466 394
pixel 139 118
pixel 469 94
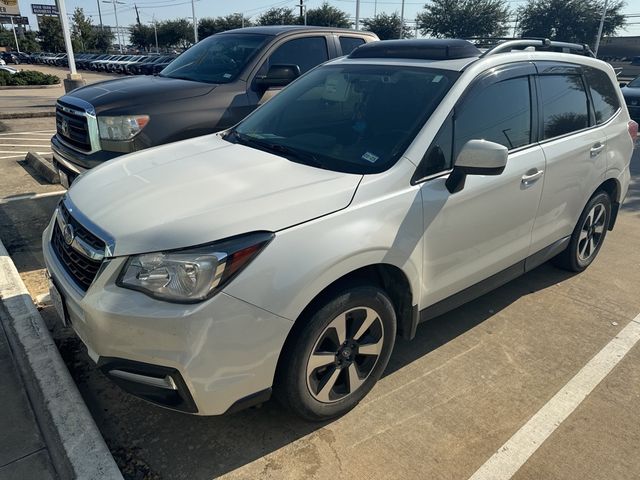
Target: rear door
pixel 574 146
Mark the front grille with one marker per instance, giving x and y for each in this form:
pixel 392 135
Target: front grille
pixel 82 270
pixel 72 127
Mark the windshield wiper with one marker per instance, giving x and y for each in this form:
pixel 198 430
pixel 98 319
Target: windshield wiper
pixel 287 152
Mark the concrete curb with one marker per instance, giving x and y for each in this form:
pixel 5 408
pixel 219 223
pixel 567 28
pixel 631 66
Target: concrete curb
pixel 16 115
pixel 75 444
pixel 44 168
pixel 29 87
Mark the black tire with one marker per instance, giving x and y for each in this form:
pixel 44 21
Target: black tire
pixel 573 258
pixel 293 386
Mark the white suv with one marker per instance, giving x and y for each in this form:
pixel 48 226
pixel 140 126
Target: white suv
pixel 378 191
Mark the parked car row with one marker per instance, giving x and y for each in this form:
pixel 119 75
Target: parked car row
pixel 124 64
pixel 14 57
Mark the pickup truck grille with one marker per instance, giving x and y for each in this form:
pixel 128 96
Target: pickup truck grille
pixel 81 269
pixel 72 127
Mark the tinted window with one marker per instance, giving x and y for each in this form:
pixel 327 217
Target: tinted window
pixel 216 59
pixel 564 104
pixel 500 113
pixel 304 52
pixel 603 94
pixel 349 44
pixel 348 118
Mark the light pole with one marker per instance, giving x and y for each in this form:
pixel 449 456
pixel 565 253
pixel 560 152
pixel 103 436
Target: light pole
pixel 74 79
pixel 99 13
pixel 401 20
pixel 357 14
pixel 115 13
pixel 155 32
pixel 195 21
pixel 604 14
pixel 15 37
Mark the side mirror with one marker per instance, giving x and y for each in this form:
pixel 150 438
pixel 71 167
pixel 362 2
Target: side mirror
pixel 477 157
pixel 279 76
pixel 623 84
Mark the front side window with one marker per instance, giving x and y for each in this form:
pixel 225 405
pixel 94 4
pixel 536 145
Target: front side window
pixel 306 53
pixel 603 94
pixel 564 104
pixel 499 113
pixel 349 118
pixel 216 59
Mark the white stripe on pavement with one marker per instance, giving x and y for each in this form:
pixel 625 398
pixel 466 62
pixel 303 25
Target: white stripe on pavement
pixel 37 132
pixel 21 155
pixel 31 196
pixel 524 443
pixel 21 145
pixel 25 139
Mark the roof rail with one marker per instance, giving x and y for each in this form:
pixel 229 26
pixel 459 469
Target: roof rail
pixel 541 43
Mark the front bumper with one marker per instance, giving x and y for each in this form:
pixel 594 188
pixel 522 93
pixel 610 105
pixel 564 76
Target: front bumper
pixel 224 349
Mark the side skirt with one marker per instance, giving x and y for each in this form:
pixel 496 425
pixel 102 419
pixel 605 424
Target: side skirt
pixel 494 281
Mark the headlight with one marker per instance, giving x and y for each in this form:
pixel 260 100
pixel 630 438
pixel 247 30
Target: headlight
pixel 194 274
pixel 121 128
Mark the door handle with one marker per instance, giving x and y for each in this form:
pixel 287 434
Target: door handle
pixel 531 176
pixel 596 149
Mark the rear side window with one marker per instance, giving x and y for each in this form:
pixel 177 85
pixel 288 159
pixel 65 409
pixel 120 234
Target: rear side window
pixel 564 104
pixel 499 113
pixel 349 44
pixel 603 94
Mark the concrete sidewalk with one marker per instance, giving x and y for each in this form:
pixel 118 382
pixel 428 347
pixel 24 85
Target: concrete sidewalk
pixel 23 452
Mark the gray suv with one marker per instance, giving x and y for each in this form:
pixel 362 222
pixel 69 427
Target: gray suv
pixel 210 87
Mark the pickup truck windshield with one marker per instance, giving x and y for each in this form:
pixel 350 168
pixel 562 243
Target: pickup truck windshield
pixel 217 59
pixel 347 118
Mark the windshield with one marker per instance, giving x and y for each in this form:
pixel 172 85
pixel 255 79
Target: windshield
pixel 347 118
pixel 217 59
pixel 635 83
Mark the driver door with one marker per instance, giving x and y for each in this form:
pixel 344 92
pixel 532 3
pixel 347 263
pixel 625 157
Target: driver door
pixel 485 228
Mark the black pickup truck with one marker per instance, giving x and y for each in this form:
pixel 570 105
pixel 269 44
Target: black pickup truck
pixel 208 88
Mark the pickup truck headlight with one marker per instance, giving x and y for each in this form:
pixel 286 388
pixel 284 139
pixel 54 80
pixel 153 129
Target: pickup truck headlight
pixel 121 128
pixel 191 275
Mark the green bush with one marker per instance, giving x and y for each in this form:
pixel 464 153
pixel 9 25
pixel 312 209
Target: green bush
pixel 27 77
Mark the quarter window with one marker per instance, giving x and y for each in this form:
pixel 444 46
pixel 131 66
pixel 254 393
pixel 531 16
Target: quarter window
pixel 564 104
pixel 305 52
pixel 349 44
pixel 499 113
pixel 603 94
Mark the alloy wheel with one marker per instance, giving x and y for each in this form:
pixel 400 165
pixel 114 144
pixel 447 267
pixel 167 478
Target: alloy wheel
pixel 592 232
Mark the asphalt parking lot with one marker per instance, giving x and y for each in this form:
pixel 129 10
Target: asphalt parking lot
pixel 506 374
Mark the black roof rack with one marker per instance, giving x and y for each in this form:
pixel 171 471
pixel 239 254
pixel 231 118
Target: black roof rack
pixel 541 44
pixel 422 49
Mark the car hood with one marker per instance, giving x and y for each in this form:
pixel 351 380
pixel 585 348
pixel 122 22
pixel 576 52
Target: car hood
pixel 629 92
pixel 131 92
pixel 201 190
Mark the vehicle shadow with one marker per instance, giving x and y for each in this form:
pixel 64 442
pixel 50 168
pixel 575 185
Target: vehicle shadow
pixel 146 439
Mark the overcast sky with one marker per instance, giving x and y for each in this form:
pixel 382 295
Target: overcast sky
pixel 171 9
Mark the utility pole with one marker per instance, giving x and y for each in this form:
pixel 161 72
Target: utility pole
pixel 115 13
pixel 357 14
pixel 137 14
pixel 195 21
pixel 15 37
pixel 401 20
pixel 99 13
pixel 155 32
pixel 73 80
pixel 301 6
pixel 604 14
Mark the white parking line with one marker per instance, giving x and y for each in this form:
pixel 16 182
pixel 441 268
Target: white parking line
pixel 25 139
pixel 22 145
pixel 523 444
pixel 20 155
pixel 31 196
pixel 38 132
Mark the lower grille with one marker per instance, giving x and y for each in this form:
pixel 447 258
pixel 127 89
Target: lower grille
pixel 81 269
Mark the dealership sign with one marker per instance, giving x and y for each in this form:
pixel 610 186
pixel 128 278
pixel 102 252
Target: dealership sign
pixel 39 9
pixel 9 7
pixel 5 20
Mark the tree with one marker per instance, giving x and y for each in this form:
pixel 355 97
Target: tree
pixel 328 16
pixel 51 39
pixel 142 36
pixel 464 18
pixel 82 31
pixel 278 16
pixel 103 39
pixel 211 26
pixel 568 20
pixel 175 33
pixel 387 27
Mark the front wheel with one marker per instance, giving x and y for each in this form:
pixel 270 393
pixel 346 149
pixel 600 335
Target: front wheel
pixel 336 357
pixel 588 235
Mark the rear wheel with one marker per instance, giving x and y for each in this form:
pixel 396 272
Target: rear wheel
pixel 338 355
pixel 588 236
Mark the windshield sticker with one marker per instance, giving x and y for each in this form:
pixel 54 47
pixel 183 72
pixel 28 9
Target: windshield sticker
pixel 370 157
pixel 436 79
pixel 227 75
